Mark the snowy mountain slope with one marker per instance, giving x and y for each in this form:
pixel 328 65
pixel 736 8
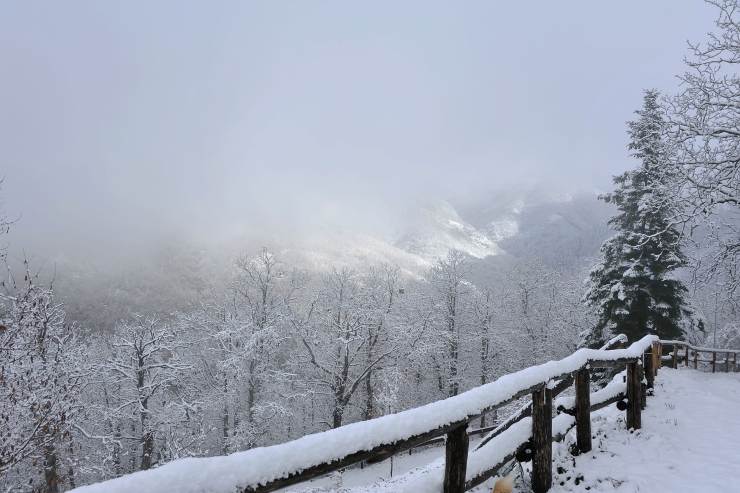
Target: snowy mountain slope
pixel 339 249
pixel 439 228
pixel 557 229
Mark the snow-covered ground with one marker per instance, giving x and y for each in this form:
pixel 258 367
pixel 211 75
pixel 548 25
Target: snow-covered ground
pixel 689 443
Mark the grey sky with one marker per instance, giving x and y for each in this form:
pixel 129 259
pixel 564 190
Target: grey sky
pixel 126 120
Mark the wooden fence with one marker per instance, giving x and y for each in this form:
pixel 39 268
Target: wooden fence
pixel 526 435
pixel 688 354
pixel 538 444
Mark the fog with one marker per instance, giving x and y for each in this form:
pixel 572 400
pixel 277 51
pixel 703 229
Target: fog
pixel 124 124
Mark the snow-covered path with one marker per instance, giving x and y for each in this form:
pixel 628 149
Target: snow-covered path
pixel 689 441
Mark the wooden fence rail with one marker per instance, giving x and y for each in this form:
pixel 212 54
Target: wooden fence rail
pixel 728 362
pixel 456 478
pixel 526 435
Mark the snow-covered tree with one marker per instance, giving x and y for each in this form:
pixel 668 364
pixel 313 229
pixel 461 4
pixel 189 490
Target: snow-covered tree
pixel 340 325
pixel 705 133
pixel 263 292
pixel 380 293
pixel 634 288
pixel 39 388
pixel 153 396
pixel 452 295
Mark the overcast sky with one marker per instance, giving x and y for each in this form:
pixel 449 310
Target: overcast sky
pixel 123 120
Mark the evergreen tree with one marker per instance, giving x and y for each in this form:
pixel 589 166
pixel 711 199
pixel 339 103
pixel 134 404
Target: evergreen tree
pixel 633 288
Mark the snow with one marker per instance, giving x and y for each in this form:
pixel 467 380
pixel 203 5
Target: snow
pixel 689 441
pixel 439 229
pixel 224 474
pixel 612 389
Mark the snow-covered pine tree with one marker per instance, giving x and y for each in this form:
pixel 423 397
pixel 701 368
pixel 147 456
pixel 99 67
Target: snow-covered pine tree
pixel 633 288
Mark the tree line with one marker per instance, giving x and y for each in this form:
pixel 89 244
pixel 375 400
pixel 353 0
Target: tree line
pixel 279 353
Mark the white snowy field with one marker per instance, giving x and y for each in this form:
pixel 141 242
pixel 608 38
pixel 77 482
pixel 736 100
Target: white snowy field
pixel 689 442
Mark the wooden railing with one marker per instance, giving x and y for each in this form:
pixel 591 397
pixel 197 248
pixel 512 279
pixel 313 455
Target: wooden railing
pixel 538 417
pixel 688 354
pixel 526 435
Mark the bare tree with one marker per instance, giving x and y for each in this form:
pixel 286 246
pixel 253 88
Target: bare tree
pixel 704 128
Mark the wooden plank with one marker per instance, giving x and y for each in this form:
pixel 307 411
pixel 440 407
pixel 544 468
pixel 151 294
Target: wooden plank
pixel 560 386
pixel 325 468
pixel 583 410
pixel 700 349
pixel 456 460
pixel 523 412
pixel 387 450
pixel 520 414
pixel 610 363
pixel 541 440
pixel 633 396
pixel 494 469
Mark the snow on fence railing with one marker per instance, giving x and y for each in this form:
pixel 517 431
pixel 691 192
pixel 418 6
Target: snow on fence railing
pixel 270 468
pixel 730 355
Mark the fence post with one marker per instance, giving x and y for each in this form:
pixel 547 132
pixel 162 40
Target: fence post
pixel 714 361
pixel 633 396
pixel 675 356
pixel 648 366
pixel 541 440
pixel 456 459
pixel 727 362
pixel 687 355
pixel 696 359
pixel 583 409
pixel 734 362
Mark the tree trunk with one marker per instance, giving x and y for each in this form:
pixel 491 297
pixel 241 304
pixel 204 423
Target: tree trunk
pixel 147 449
pixel 251 391
pixel 337 416
pixel 117 450
pixel 225 435
pixel 51 473
pixel 225 420
pixel 70 470
pixel 369 393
